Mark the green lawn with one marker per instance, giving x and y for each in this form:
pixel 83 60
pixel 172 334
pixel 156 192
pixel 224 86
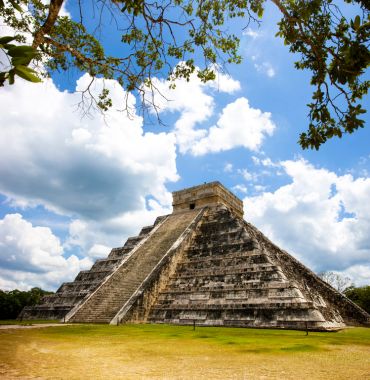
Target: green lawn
pixel 178 352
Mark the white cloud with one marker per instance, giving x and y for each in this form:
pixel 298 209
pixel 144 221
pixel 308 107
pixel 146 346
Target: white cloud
pixel 267 162
pixel 240 188
pixel 228 168
pixel 63 10
pixel 238 126
pixel 259 188
pixel 89 168
pixel 247 175
pixel 192 99
pixel 225 83
pixel 106 175
pixel 252 33
pixel 319 216
pixel 359 274
pixel 31 256
pixel 265 68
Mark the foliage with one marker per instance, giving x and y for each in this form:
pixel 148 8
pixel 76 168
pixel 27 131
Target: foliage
pixel 360 296
pixel 335 50
pixel 12 302
pixel 336 280
pixel 20 57
pixel 156 35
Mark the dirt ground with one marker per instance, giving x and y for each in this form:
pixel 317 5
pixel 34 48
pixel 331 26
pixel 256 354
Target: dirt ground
pixel 76 352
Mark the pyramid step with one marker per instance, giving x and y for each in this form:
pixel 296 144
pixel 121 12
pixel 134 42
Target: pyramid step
pixel 117 290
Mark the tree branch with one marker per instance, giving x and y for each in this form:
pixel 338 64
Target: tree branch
pixel 54 9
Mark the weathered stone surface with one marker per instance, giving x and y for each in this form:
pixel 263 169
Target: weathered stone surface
pixel 232 275
pixel 70 294
pixel 208 195
pixel 113 294
pixel 202 264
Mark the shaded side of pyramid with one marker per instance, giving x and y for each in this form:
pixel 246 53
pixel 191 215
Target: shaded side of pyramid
pixel 232 275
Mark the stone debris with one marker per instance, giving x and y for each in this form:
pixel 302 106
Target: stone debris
pixel 204 265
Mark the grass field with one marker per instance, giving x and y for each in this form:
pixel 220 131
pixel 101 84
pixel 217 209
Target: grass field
pixel 178 352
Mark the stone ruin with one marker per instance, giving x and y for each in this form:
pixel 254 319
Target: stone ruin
pixel 202 264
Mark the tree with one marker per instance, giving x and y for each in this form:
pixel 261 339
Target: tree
pixel 360 296
pixel 12 302
pixel 156 35
pixel 336 280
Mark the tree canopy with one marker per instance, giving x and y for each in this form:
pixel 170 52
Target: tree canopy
pixel 360 296
pixel 12 302
pixel 157 35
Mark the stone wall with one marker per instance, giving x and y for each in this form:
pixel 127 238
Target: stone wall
pixel 207 195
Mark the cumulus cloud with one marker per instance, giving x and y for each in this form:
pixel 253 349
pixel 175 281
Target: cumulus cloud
pixel 105 174
pixel 239 125
pixel 321 217
pixel 31 255
pixel 225 83
pixel 89 168
pixel 193 100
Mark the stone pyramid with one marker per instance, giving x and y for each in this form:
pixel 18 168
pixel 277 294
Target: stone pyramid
pixel 201 264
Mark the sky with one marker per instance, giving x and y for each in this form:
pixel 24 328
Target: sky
pixel 74 186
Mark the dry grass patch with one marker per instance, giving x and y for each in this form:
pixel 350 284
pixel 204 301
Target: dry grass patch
pixel 177 352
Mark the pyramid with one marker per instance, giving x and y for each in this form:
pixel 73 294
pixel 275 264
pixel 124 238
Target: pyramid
pixel 202 264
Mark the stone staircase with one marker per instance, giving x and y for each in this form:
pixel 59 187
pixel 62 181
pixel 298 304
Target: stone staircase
pixel 70 294
pixel 109 298
pixel 226 279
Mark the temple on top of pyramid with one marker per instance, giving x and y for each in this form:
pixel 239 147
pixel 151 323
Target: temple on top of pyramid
pixel 202 264
pixel 206 195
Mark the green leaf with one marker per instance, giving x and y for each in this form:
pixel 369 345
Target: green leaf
pixel 21 51
pixel 6 39
pixel 16 6
pixel 22 60
pixel 357 22
pixel 27 73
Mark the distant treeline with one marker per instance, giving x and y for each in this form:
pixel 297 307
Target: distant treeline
pixel 12 302
pixel 360 296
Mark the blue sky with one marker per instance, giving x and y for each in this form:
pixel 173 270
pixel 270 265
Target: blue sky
pixel 73 187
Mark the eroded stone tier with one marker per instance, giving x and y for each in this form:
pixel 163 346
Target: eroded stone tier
pixel 70 294
pixel 231 276
pixel 104 304
pixel 207 195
